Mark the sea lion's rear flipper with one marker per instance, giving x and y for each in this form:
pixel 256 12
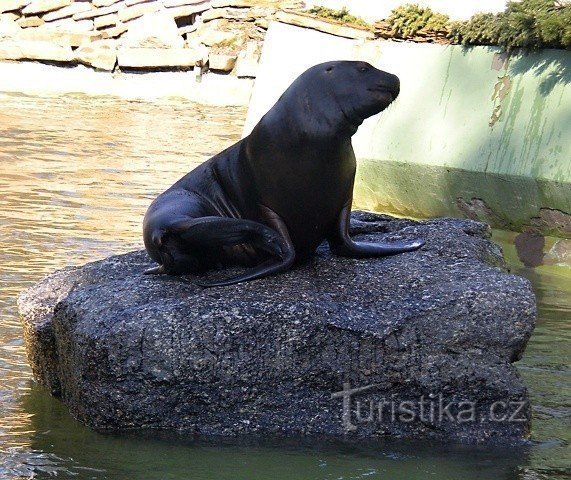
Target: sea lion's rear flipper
pixel 214 232
pixel 270 267
pixel 342 244
pixel 190 245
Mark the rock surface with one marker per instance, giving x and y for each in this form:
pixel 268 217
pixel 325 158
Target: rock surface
pixel 441 326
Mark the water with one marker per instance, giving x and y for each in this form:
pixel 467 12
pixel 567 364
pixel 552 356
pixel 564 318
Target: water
pixel 77 174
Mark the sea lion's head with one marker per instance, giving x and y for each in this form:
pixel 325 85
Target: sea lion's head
pixel 359 90
pixel 337 96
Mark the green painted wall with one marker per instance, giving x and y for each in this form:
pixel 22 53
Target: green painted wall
pixel 472 124
pixel 474 132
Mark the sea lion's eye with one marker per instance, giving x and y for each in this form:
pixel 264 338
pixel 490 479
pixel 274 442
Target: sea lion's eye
pixel 329 69
pixel 363 69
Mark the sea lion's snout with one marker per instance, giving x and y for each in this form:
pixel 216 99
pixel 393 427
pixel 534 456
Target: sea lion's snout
pixel 388 83
pixel 396 87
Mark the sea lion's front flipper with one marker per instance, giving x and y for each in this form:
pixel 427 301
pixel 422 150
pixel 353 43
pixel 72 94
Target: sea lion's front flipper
pixel 269 267
pixel 342 244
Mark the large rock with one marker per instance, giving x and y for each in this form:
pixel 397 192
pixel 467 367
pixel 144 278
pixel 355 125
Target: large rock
pixel 106 21
pixel 248 61
pixel 182 3
pixel 28 22
pixel 99 12
pixel 69 11
pixel 69 25
pixel 10 5
pixel 35 50
pixel 136 11
pixel 9 28
pixel 9 17
pixel 221 62
pixel 227 13
pixel 43 6
pixel 234 3
pixel 58 36
pixel 154 30
pixel 114 32
pixel 213 37
pixel 105 3
pixel 9 50
pixel 101 54
pixel 435 327
pixel 186 10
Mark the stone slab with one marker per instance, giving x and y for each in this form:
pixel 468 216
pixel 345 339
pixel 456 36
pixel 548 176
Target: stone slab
pixel 43 6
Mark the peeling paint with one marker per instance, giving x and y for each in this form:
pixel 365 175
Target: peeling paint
pixel 500 61
pixel 554 222
pixel 501 90
pixel 477 209
pixel 549 221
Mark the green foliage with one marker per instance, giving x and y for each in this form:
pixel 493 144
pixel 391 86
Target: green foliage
pixel 481 29
pixel 408 20
pixel 342 15
pixel 526 24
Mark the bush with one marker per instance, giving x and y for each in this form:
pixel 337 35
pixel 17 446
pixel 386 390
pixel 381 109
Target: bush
pixel 408 20
pixel 527 24
pixel 342 15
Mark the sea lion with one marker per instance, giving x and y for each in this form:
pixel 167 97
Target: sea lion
pixel 270 199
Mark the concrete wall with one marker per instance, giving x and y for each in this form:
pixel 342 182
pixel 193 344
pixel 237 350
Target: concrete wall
pixel 372 10
pixel 222 90
pixel 473 133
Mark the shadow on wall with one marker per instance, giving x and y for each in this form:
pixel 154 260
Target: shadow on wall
pixel 558 62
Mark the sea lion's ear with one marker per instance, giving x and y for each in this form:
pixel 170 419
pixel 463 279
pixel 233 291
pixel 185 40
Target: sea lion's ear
pixel 329 69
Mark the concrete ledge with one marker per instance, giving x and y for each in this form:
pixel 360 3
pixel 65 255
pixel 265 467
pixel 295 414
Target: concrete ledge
pixel 157 58
pixel 322 25
pixel 213 89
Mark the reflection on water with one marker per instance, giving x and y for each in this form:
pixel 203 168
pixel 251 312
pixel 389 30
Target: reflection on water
pixel 156 457
pixel 545 365
pixel 76 176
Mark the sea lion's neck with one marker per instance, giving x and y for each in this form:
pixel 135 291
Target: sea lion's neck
pixel 312 119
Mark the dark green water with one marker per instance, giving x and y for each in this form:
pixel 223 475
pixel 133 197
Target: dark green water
pixel 76 175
